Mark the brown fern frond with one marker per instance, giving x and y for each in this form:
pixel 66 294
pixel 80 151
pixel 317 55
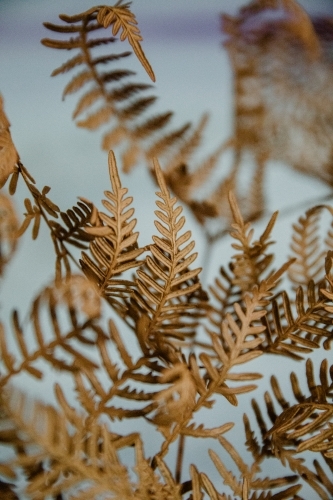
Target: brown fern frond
pixel 251 260
pixel 308 249
pixel 78 299
pixel 165 280
pixel 114 249
pixel 118 103
pixel 271 100
pixel 239 346
pixel 293 330
pixel 239 341
pixel 300 427
pixel 120 17
pixel 306 425
pixel 78 453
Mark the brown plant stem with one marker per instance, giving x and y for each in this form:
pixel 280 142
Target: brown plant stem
pixel 180 455
pixel 181 443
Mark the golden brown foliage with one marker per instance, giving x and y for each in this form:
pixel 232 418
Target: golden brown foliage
pixel 282 69
pixel 132 327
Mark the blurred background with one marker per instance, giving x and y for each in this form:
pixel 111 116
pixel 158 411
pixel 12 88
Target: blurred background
pixel 183 43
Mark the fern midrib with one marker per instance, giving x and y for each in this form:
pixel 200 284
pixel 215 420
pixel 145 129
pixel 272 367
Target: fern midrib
pixel 88 59
pixel 235 353
pixel 107 98
pixel 168 284
pixel 117 250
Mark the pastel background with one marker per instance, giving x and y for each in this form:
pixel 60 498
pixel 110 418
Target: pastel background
pixel 182 41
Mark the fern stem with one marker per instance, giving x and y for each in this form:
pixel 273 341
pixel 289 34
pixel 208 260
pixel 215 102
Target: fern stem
pixel 88 60
pixel 203 278
pixel 27 179
pixel 180 456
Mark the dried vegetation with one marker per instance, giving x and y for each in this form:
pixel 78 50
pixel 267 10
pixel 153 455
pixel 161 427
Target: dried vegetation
pixel 132 325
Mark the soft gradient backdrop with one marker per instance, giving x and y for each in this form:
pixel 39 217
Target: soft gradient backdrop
pixel 182 41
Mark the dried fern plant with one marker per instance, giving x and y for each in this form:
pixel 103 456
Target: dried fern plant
pixel 134 331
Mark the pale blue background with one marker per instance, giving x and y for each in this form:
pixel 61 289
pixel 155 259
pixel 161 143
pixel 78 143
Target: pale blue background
pixel 183 44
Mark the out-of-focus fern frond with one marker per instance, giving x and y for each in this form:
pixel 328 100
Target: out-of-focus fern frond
pixel 121 104
pixel 8 231
pixel 310 246
pixel 80 454
pixel 251 260
pixel 51 335
pixel 282 65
